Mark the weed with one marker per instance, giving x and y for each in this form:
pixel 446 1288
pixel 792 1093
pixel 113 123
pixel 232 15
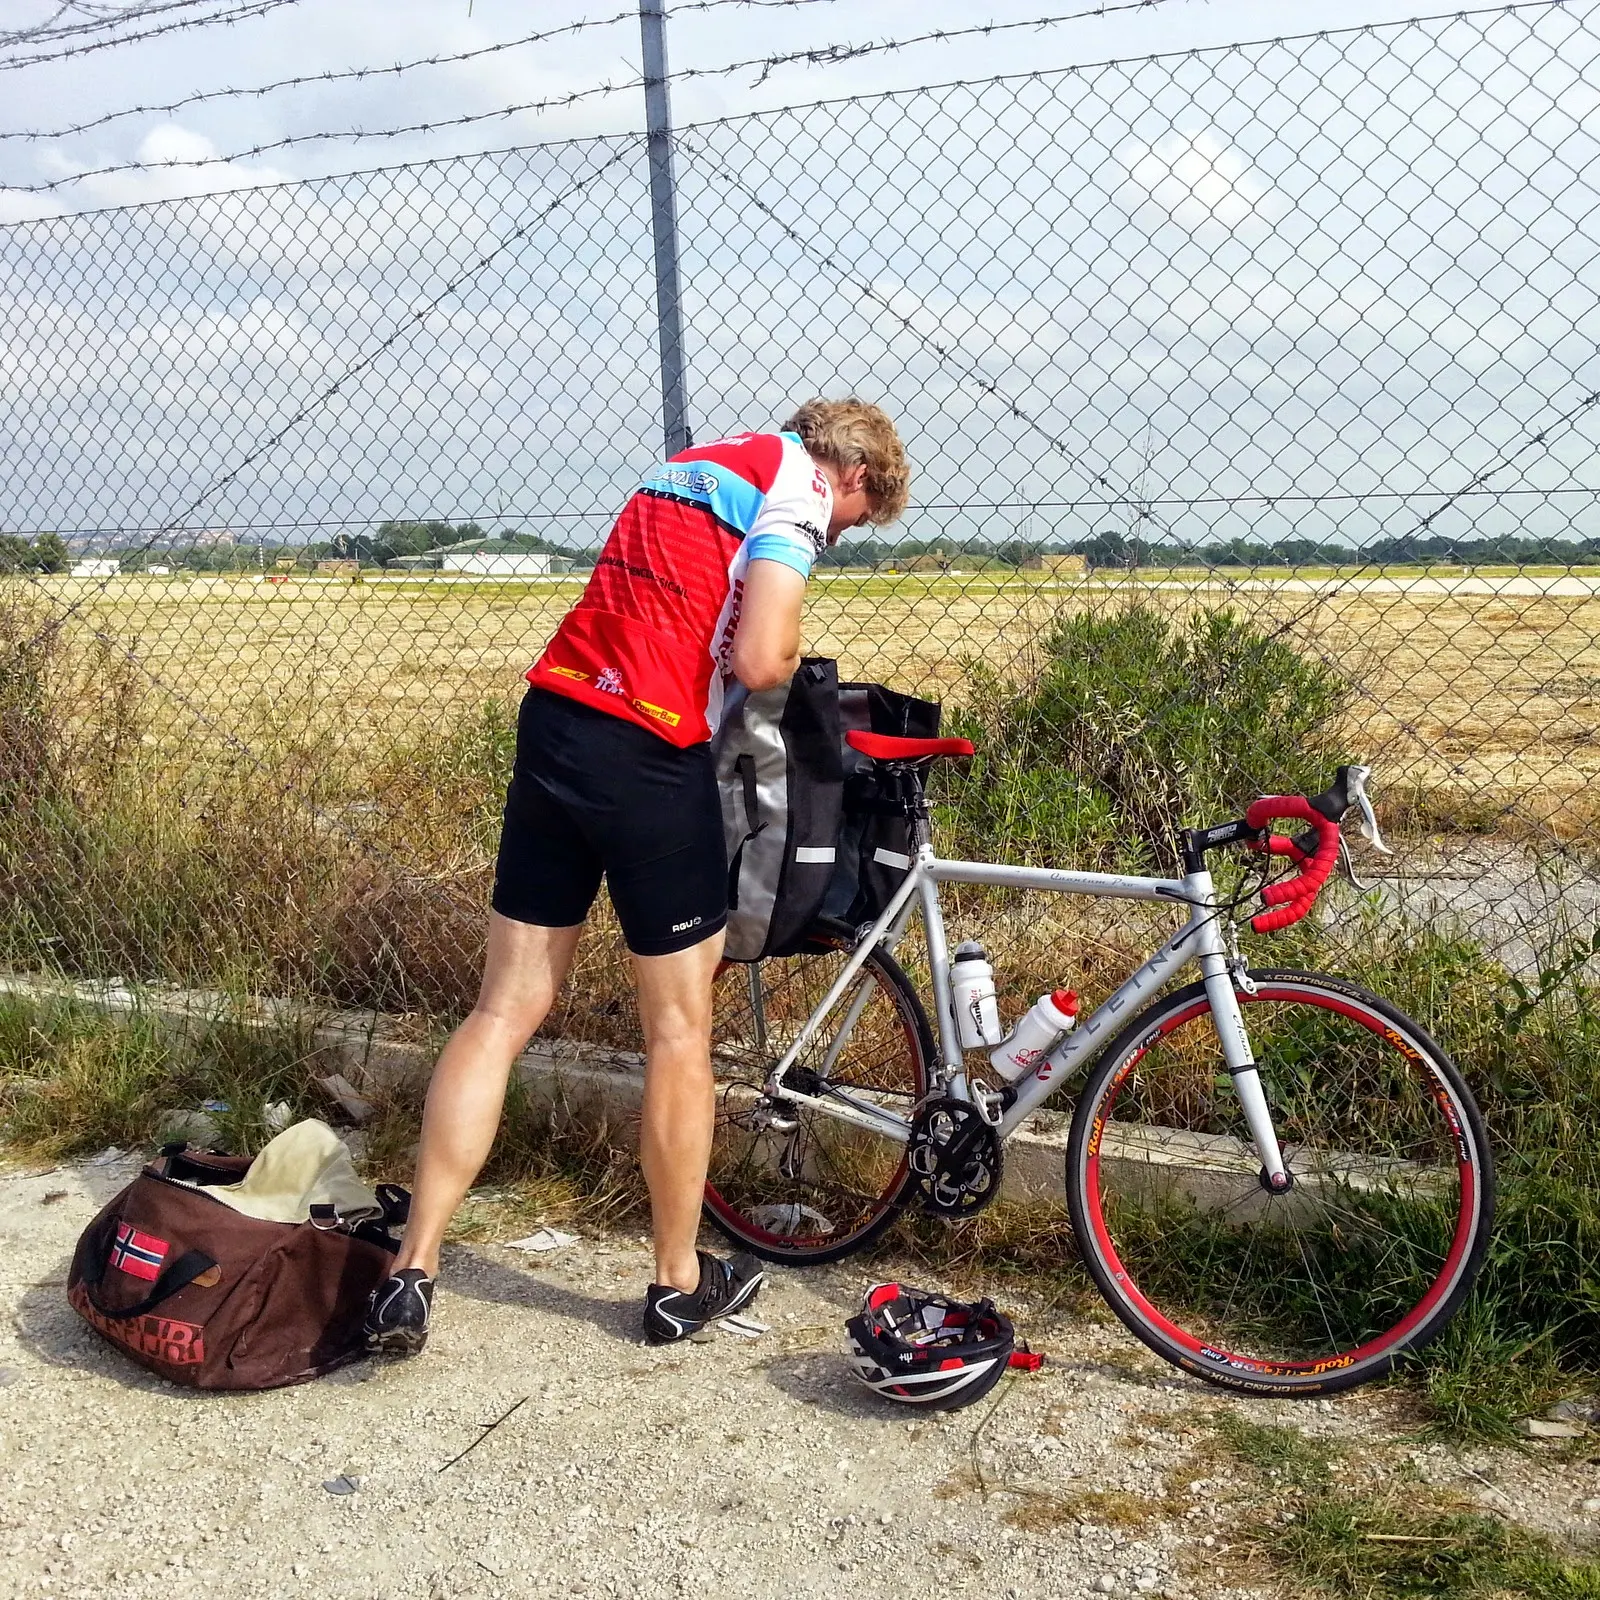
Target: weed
pixel 1394 1545
pixel 1134 726
pixel 74 1080
pixel 1399 1543
pixel 1282 1453
pixel 1110 1508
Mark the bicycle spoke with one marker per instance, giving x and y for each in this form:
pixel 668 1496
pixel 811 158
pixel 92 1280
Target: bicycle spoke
pixel 819 1181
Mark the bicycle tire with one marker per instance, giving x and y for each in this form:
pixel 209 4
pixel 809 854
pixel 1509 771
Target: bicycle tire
pixel 891 1052
pixel 1421 1187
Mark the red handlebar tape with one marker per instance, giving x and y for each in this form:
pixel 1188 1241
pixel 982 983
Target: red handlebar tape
pixel 1295 896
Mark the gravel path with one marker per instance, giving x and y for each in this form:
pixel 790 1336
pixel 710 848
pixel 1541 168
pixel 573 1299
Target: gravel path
pixel 732 1468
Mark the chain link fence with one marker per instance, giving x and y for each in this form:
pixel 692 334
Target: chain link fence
pixel 1253 400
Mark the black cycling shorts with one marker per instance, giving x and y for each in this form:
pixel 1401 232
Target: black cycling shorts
pixel 592 795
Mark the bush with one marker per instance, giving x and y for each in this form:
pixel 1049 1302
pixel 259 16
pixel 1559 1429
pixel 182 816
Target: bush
pixel 1134 727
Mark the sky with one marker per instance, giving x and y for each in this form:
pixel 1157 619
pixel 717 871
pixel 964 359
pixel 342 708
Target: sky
pixel 1331 278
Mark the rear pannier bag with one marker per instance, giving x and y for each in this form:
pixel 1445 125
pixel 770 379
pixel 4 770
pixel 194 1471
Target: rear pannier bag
pixel 780 772
pixel 875 842
pixel 207 1296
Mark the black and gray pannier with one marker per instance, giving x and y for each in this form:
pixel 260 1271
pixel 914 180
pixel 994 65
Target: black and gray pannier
pixel 875 842
pixel 780 770
pixel 812 827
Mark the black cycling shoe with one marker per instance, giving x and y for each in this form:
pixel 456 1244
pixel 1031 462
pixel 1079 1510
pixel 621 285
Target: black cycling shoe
pixel 725 1287
pixel 397 1313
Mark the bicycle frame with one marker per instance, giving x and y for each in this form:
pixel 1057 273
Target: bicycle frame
pixel 1200 939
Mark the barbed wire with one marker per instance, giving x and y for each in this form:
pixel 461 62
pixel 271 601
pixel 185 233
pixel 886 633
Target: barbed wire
pixel 357 74
pixel 239 13
pixel 97 18
pixel 823 55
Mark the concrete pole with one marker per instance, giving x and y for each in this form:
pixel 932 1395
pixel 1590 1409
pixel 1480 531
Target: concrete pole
pixel 664 224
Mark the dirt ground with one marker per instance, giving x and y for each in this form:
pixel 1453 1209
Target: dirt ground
pixel 731 1468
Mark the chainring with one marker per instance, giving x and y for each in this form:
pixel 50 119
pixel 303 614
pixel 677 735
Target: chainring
pixel 954 1157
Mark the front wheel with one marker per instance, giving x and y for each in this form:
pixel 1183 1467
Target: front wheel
pixel 1369 1253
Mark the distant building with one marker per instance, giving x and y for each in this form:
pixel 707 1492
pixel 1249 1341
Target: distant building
pixel 337 567
pixel 498 564
pixel 96 567
pixel 159 572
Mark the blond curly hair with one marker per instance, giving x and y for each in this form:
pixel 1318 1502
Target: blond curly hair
pixel 852 433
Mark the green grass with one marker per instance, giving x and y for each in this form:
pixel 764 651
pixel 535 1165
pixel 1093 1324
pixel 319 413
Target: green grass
pixel 1137 725
pixel 321 870
pixel 73 1080
pixel 1403 1542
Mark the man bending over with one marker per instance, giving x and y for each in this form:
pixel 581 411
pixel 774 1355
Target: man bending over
pixel 700 583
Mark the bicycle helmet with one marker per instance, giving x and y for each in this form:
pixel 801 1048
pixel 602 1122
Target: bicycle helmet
pixel 928 1350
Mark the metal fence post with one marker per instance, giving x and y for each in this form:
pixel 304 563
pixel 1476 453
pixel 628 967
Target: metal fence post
pixel 664 225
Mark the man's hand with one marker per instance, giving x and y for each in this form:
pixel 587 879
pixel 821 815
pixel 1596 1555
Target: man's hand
pixel 766 644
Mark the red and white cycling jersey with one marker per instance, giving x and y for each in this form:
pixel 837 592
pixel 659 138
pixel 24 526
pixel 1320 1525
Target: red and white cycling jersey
pixel 652 637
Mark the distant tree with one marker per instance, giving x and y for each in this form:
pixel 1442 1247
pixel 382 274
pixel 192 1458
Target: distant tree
pixel 49 553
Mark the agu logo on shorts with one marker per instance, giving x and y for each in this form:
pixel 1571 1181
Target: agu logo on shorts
pixel 684 927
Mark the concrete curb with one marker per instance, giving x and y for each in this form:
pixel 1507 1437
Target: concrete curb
pixel 593 1086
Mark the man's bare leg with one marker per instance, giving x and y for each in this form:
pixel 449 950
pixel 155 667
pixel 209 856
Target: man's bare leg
pixel 522 972
pixel 679 1104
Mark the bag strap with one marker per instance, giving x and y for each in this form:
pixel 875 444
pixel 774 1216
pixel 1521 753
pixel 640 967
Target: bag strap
pixel 177 1275
pixel 745 767
pixel 392 1210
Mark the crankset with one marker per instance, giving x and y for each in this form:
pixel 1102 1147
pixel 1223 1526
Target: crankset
pixel 955 1158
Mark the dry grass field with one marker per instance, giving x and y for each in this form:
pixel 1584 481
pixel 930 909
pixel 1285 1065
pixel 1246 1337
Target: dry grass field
pixel 1473 696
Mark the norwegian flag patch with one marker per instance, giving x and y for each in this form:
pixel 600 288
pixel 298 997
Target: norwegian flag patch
pixel 138 1254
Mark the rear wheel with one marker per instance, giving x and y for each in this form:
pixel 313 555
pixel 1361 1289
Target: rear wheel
pixel 1370 1252
pixel 789 1181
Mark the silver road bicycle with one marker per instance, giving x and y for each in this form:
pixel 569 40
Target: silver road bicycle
pixel 1277 1180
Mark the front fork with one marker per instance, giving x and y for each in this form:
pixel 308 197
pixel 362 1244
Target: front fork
pixel 1228 1019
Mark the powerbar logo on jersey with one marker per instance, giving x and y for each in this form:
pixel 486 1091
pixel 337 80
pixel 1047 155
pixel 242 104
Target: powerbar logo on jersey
pixel 569 672
pixel 660 713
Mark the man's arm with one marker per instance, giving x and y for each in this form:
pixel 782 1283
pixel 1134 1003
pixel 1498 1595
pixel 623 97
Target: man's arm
pixel 766 644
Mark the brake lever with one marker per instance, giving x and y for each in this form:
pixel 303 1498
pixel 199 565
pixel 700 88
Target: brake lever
pixel 1369 822
pixel 1349 868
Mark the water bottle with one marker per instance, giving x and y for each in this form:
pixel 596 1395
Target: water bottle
pixel 1035 1036
pixel 972 986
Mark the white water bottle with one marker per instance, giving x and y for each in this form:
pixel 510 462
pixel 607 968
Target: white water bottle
pixel 972 991
pixel 1035 1036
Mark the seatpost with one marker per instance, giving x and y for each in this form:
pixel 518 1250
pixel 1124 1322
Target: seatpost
pixel 915 800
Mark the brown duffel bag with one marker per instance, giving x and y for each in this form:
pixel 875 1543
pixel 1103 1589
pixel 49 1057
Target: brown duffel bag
pixel 206 1295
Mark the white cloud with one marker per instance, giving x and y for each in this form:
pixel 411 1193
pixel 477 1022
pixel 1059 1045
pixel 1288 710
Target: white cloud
pixel 1196 179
